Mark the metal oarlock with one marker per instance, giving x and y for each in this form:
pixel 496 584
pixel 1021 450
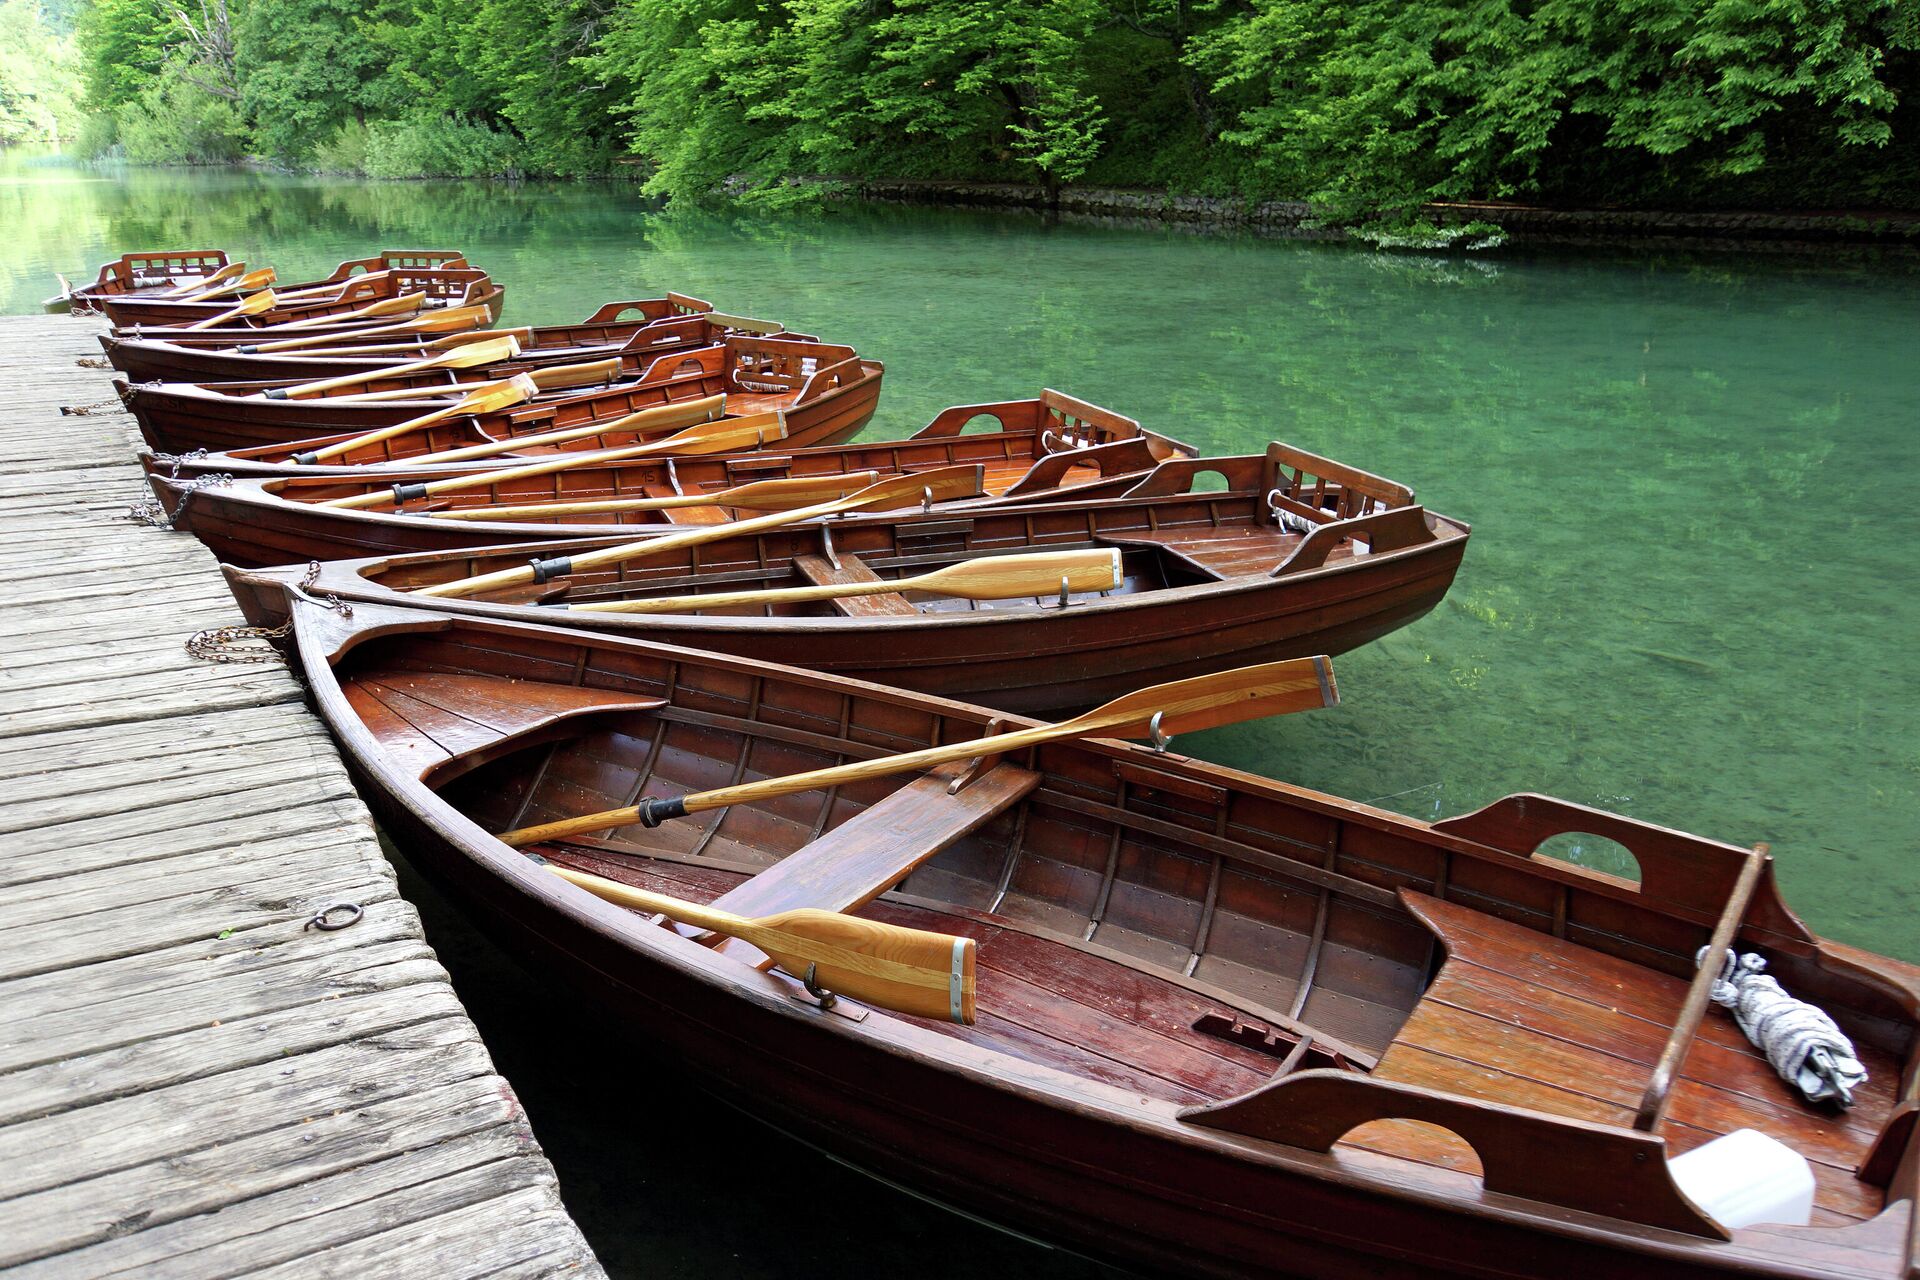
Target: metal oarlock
pixel 811 982
pixel 1161 738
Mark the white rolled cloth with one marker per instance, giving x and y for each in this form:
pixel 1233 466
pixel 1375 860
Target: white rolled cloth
pixel 1803 1043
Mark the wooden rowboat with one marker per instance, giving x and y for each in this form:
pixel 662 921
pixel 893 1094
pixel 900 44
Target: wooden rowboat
pixel 1010 436
pixel 635 331
pixel 443 287
pixel 259 522
pixel 826 391
pixel 1223 1026
pixel 155 272
pixel 1211 580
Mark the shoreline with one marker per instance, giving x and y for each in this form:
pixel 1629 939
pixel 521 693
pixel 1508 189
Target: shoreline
pixel 1524 225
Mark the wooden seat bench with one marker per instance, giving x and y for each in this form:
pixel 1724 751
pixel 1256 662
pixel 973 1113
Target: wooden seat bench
pixel 869 853
pixel 821 572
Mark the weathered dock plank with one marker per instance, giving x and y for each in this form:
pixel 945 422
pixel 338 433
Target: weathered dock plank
pixel 192 1084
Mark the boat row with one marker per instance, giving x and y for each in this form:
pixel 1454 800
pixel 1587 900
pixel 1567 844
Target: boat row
pixel 843 771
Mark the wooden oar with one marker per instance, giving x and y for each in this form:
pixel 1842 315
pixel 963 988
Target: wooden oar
pixel 911 971
pixel 660 417
pixel 552 377
pixel 466 357
pixel 734 433
pixel 942 485
pixel 402 303
pixel 452 318
pixel 757 495
pixel 491 399
pixel 1037 573
pixel 1182 706
pixel 252 306
pixel 239 284
pixel 401 348
pixel 225 273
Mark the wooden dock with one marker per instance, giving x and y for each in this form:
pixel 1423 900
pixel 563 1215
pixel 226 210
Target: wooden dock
pixel 191 1082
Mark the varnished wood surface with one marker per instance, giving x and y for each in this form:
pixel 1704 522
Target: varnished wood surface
pixel 1153 936
pixel 190 1083
pixel 1186 608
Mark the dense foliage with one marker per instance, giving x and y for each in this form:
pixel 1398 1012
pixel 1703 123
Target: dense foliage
pixel 39 81
pixel 1368 107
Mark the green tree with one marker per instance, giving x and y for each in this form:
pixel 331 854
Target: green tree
pixel 1375 106
pixel 123 44
pixel 307 66
pixel 40 81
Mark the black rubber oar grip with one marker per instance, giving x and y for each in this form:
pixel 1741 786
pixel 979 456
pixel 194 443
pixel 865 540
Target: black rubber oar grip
pixel 248 351
pixel 276 393
pixel 408 492
pixel 306 459
pixel 653 812
pixel 547 570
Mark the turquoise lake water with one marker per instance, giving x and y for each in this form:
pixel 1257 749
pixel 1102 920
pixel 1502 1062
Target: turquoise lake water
pixel 1690 595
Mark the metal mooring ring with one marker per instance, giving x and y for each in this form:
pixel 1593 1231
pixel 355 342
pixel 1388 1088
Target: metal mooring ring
pixel 322 919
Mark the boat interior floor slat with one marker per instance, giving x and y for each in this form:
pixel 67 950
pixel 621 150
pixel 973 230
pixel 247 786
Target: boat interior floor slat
pixel 1219 552
pixel 1038 1001
pixel 1520 1017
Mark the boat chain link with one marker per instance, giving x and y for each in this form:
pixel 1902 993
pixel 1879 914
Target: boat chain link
pixel 152 513
pixel 255 644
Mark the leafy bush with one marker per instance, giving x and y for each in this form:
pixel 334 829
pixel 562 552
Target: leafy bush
pixel 437 147
pixel 98 136
pixel 345 149
pixel 173 122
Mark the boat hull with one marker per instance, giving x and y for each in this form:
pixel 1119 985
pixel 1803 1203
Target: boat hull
pixel 1029 661
pixel 1114 1176
pixel 179 418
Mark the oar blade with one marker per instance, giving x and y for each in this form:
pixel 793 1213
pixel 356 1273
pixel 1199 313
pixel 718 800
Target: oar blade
pixel 558 377
pixel 726 435
pixel 911 971
pixel 1037 573
pixel 496 396
pixel 801 491
pixel 1227 697
pixel 476 353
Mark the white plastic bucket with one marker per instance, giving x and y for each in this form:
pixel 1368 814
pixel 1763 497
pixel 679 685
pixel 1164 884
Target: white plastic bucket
pixel 1746 1177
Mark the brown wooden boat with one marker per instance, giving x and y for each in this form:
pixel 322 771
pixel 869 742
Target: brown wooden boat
pixel 1224 1026
pixel 1010 436
pixel 635 331
pixel 1212 580
pixel 156 271
pixel 442 287
pixel 826 391
pixel 153 271
pixel 259 522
